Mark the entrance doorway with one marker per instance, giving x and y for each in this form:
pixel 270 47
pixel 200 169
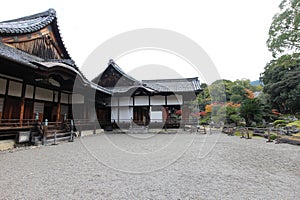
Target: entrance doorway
pixel 141 115
pixel 48 108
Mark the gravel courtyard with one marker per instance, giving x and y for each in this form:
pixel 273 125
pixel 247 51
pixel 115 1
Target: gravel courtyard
pixel 153 166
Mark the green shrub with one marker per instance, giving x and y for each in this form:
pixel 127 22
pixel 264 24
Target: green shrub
pixel 273 137
pixel 280 122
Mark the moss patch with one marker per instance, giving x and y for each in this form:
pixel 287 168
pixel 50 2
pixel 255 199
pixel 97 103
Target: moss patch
pixel 295 123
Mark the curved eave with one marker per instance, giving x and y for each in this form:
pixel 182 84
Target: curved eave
pixel 17 56
pixel 53 65
pixel 60 42
pixel 132 89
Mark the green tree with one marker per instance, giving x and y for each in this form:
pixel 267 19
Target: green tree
pixel 203 97
pixel 220 91
pixel 266 107
pixel 251 111
pixel 238 93
pixel 246 83
pixel 281 79
pixel 284 34
pixel 281 76
pixel 235 98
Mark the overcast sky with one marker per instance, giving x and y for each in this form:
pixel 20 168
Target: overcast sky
pixel 233 33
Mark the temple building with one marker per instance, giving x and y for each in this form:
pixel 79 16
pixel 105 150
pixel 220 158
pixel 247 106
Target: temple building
pixel 158 103
pixel 37 74
pixel 37 77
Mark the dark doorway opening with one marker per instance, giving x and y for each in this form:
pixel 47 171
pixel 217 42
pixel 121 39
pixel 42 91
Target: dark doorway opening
pixel 141 115
pixel 48 108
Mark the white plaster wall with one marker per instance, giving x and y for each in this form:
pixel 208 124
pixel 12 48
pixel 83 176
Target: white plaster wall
pixel 43 94
pixel 1 104
pixel 125 114
pixel 125 101
pixel 174 100
pixel 157 100
pixel 15 89
pixel 141 100
pixel 156 116
pixel 29 91
pixel 113 101
pixel 2 85
pixel 114 114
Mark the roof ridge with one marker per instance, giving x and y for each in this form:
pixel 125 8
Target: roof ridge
pixel 49 12
pixel 170 79
pixel 119 69
pixel 28 24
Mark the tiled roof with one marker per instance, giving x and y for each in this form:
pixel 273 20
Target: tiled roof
pixel 158 85
pixel 133 88
pixel 174 85
pixel 27 24
pixel 23 58
pixel 18 56
pixel 79 73
pixel 111 61
pixel 65 61
pixel 114 65
pixel 32 23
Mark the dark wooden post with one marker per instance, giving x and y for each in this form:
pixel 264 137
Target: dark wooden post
pixel 118 110
pixel 72 133
pixel 54 142
pixel 45 129
pixel 22 104
pixel 58 108
pixel 22 111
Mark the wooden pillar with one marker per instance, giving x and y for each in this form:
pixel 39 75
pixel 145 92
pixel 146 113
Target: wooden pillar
pixel 118 109
pixel 166 109
pixel 58 108
pixel 133 101
pixel 166 100
pixel 133 105
pixel 5 99
pixel 22 104
pixel 33 98
pixel 149 111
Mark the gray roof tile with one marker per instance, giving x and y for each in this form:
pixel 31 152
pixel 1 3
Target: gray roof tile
pixel 19 56
pixel 174 85
pixel 27 24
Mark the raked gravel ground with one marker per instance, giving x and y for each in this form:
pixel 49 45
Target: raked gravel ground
pixel 153 166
